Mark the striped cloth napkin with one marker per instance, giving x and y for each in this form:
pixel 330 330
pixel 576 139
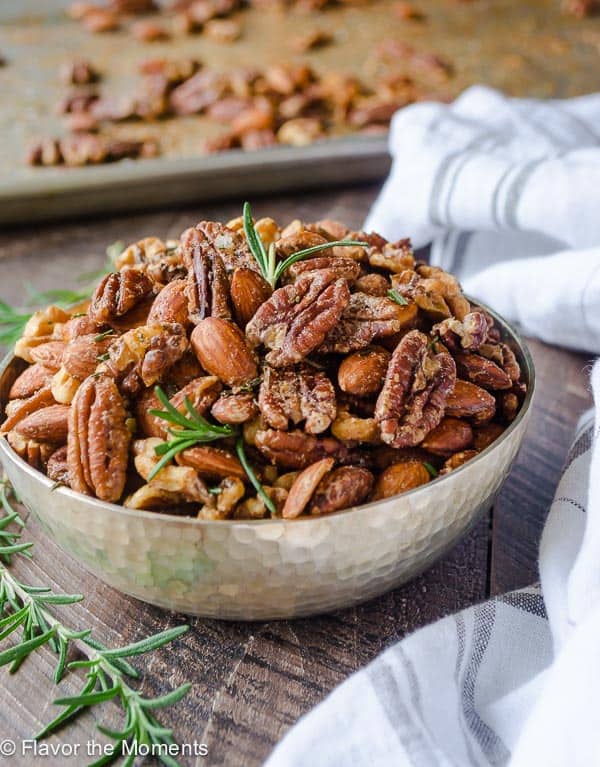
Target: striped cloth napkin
pixel 507 192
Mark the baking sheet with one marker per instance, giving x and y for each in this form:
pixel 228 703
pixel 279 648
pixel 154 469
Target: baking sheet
pixel 525 48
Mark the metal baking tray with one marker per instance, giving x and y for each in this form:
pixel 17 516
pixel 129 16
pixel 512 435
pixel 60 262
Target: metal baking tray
pixel 523 48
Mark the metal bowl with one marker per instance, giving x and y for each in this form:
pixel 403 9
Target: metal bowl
pixel 266 569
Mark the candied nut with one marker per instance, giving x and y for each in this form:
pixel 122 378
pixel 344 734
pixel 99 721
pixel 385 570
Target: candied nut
pixel 366 318
pixel 17 410
pixel 303 487
pixel 580 8
pixel 81 355
pixel 485 435
pixel 49 355
pixel 171 305
pixel 223 30
pixel 98 20
pixel 144 355
pixel 258 116
pixel 504 357
pixel 251 429
pixel 400 477
pixel 351 428
pixel 98 441
pixel 81 122
pixel 345 487
pixel 509 405
pixel 470 401
pixel 207 285
pixel 456 460
pixel 78 72
pixel 345 268
pixel 152 498
pixel 363 372
pixel 118 293
pixel 296 319
pixel 161 261
pixel 230 244
pixel 148 31
pixel 375 109
pixel 49 424
pixel 300 131
pixel 249 290
pixel 268 230
pixel 230 491
pixel 297 395
pixel 234 408
pixel 30 381
pixel 296 449
pixel 64 386
pixel 222 350
pixel 182 480
pixel 481 371
pixel 286 480
pixel 414 394
pixel 198 92
pixel 211 462
pixel 43 326
pixel 82 325
pixel 57 467
pixel 373 285
pixel 436 280
pixel 316 38
pixel 467 334
pixel 290 243
pixel 185 370
pixel 35 453
pixel 393 256
pixel 226 109
pixel 450 436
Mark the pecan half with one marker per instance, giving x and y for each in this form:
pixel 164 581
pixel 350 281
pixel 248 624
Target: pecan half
pixel 296 449
pixel 17 410
pixel 345 487
pixel 98 442
pixel 393 256
pixel 414 394
pixel 297 395
pixel 365 319
pixel 345 268
pixel 207 283
pixel 230 244
pixel 118 293
pixel 297 318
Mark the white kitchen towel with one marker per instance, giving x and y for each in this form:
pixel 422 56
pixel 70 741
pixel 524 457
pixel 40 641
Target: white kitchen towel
pixel 508 192
pixel 495 183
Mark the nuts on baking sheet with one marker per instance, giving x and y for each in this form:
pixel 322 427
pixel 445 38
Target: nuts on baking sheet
pixel 251 370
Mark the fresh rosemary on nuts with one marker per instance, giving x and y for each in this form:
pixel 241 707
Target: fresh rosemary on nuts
pixel 397 297
pixel 108 671
pixel 267 259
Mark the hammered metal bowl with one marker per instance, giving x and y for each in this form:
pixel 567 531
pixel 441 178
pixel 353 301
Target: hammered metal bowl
pixel 267 569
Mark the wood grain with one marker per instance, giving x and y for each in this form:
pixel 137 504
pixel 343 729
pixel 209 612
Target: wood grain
pixel 253 681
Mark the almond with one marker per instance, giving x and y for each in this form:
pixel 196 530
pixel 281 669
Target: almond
pixel 486 435
pixel 399 478
pixel 345 487
pixel 50 424
pixel 450 436
pixel 23 408
pixel 80 358
pixel 470 401
pixel 171 305
pixel 248 291
pixel 304 486
pixel 30 381
pixel 222 350
pixel 211 462
pixel 363 372
pixel 49 355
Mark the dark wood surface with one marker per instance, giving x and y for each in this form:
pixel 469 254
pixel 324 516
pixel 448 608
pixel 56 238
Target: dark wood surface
pixel 253 681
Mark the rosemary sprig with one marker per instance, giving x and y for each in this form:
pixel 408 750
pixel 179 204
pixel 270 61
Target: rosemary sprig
pixel 433 472
pixel 241 453
pixel 108 671
pixel 187 431
pixel 397 297
pixel 267 259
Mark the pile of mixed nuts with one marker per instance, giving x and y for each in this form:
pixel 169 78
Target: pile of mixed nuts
pixel 268 371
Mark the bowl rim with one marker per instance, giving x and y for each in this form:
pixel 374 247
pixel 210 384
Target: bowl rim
pixel 95 503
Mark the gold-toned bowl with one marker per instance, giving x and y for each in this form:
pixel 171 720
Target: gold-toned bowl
pixel 266 569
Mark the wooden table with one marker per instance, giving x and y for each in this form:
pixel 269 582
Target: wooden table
pixel 253 681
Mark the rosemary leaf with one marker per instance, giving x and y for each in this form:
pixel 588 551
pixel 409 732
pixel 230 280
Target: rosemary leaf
pixel 286 263
pixel 431 469
pixel 254 241
pixel 147 645
pixel 397 297
pixel 241 453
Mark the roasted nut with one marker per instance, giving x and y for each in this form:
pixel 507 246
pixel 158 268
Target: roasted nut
pixel 211 462
pixel 413 398
pixel 363 372
pixel 201 393
pixel 373 285
pixel 366 318
pixel 467 334
pixel 230 491
pixel 456 460
pixel 304 486
pixel 49 355
pixel 57 467
pixel 31 380
pixel 450 436
pixel 345 487
pixel 161 261
pixel 17 410
pixel 394 256
pixel 296 319
pixel 350 428
pixel 49 424
pixel 43 326
pixel 436 280
pixel 484 436
pixel 82 325
pixel 509 405
pixel 222 350
pixel 470 401
pixel 345 268
pixel 207 283
pixel 78 72
pixel 82 355
pixel 296 449
pixel 64 386
pixel 285 480
pixel 297 395
pixel 300 239
pixel 181 480
pixel 185 370
pixel 35 453
pixel 118 293
pixel 171 305
pixel 223 30
pixel 300 131
pixel 98 442
pixel 400 477
pixel 248 292
pixel 234 408
pixel 481 371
